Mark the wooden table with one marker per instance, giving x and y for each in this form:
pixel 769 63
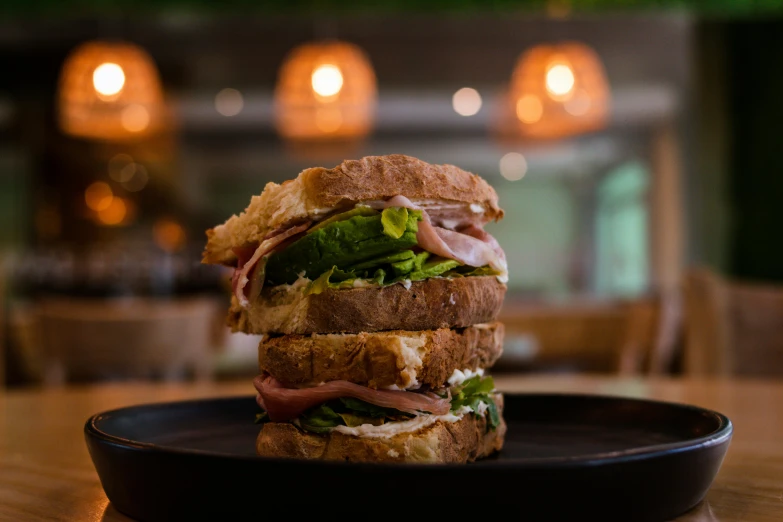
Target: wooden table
pixel 46 473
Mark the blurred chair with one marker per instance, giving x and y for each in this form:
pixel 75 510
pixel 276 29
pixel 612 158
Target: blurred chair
pixel 627 337
pixel 652 333
pixel 96 340
pixel 732 327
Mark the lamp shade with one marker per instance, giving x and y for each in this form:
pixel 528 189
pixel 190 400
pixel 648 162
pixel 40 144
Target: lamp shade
pixel 559 90
pixel 110 91
pixel 325 91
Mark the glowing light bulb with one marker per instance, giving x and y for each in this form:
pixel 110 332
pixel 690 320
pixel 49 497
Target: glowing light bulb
pixel 108 79
pixel 559 80
pixel 466 101
pixel 327 80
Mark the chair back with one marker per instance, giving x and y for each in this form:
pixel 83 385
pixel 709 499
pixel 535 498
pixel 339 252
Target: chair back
pixel 139 338
pixel 732 327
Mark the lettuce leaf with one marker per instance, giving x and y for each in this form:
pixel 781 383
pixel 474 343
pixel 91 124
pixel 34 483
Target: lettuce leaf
pixel 406 268
pixel 474 391
pixel 383 260
pixel 348 411
pixel 394 221
pixel 357 420
pixel 467 271
pixel 433 268
pixel 357 211
pixel 342 279
pixel 402 268
pixel 320 419
pixel 342 244
pixel 370 410
pixel 421 257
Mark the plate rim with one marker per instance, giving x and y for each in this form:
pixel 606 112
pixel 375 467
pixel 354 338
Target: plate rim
pixel 722 434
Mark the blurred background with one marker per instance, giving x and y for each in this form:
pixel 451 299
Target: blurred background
pixel 634 147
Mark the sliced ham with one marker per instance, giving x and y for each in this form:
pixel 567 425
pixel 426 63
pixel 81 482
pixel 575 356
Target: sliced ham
pixel 483 235
pixel 284 404
pixel 477 248
pixel 240 278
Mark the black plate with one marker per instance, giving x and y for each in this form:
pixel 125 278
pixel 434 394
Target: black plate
pixel 566 457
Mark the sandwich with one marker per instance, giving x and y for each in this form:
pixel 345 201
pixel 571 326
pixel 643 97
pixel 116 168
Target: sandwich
pixel 376 290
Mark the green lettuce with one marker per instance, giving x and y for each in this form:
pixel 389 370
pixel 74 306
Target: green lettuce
pixel 342 243
pixel 433 268
pixel 319 419
pixel 357 211
pixel 394 221
pixel 474 391
pixel 348 411
pixel 383 260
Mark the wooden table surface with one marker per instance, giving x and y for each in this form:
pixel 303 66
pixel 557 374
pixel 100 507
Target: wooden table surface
pixel 46 472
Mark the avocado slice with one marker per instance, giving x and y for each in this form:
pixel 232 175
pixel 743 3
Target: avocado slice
pixel 342 244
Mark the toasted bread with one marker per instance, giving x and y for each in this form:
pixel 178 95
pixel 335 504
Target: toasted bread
pixel 401 359
pixel 442 442
pixel 317 191
pixel 427 305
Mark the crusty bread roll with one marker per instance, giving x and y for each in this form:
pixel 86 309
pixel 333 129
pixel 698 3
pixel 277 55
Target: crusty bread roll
pixel 442 442
pixel 317 191
pixel 398 358
pixel 427 305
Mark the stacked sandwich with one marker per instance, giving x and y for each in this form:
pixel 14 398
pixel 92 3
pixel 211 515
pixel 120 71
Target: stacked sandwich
pixel 376 290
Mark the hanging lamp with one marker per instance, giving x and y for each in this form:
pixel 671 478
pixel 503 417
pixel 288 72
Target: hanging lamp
pixel 559 90
pixel 110 91
pixel 325 91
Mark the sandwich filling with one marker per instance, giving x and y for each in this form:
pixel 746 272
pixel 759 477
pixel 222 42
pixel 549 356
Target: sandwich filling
pixel 358 410
pixel 375 243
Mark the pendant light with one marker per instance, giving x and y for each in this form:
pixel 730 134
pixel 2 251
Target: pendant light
pixel 325 91
pixel 559 90
pixel 110 91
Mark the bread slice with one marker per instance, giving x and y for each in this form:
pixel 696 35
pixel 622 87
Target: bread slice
pixel 317 191
pixel 404 359
pixel 442 442
pixel 427 305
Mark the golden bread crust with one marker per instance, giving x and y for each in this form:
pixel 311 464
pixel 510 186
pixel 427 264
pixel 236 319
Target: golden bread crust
pixel 443 442
pixel 427 305
pixel 318 190
pixel 381 359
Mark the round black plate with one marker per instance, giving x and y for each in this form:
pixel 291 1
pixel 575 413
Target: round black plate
pixel 566 457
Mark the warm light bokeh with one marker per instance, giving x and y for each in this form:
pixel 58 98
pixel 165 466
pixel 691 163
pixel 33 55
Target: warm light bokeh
pixel 169 235
pixel 229 102
pixel 513 166
pixel 466 101
pixel 559 80
pixel 529 109
pixel 98 196
pixel 120 211
pixel 135 118
pixel 108 79
pixel 327 80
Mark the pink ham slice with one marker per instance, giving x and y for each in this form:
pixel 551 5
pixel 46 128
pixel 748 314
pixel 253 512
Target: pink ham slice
pixel 474 248
pixel 240 278
pixel 284 404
